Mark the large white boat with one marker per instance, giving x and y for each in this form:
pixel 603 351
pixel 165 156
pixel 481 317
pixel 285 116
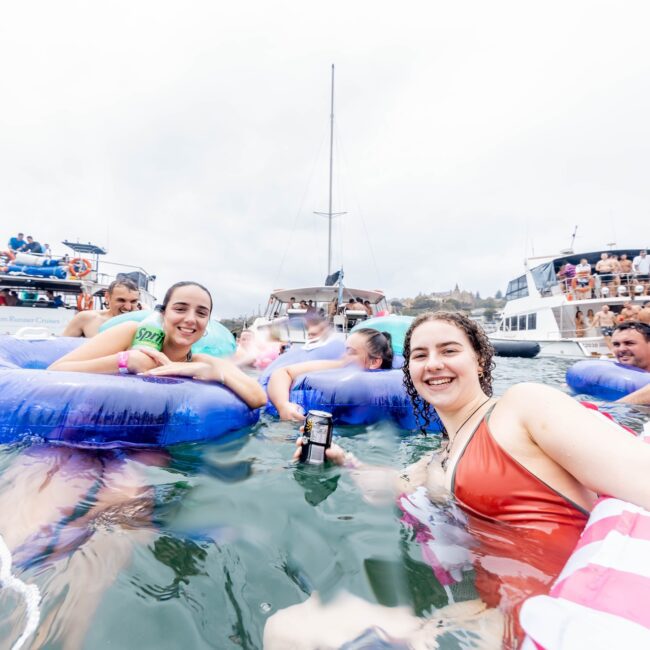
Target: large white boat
pixel 542 304
pixel 289 310
pixel 43 295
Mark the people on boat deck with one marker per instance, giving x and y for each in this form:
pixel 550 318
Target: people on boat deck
pixel 54 300
pixel 641 265
pixel 33 246
pixel 366 348
pixel 17 243
pixel 644 313
pixel 605 319
pixel 629 311
pixel 186 311
pixel 625 266
pixel 605 268
pixel 584 268
pixel 581 324
pixel 529 466
pixel 121 297
pixel 631 347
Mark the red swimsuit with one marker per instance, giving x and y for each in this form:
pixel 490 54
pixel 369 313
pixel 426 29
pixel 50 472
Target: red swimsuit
pixel 525 530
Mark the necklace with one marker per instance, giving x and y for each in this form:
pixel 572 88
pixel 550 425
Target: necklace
pixel 445 460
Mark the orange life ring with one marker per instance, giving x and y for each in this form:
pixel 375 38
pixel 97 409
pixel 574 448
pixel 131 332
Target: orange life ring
pixel 10 256
pixel 581 287
pixel 84 302
pixel 79 267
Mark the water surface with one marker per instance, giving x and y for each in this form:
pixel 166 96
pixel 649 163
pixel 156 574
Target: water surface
pixel 225 535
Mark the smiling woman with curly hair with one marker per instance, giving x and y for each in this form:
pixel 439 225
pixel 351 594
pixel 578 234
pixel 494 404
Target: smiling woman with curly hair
pixel 525 469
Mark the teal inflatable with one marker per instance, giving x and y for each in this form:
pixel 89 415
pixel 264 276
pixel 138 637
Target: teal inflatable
pixel 218 341
pixel 396 326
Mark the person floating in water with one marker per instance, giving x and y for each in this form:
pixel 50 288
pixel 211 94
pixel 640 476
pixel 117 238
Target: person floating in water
pixel 631 347
pixel 525 469
pixel 366 348
pixel 121 297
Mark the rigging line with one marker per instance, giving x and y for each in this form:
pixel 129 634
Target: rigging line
pixel 300 207
pixel 363 221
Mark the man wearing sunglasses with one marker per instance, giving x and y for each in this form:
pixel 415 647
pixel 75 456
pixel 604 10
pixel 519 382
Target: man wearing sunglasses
pixel 631 346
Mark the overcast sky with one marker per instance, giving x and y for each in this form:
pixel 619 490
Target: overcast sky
pixel 191 138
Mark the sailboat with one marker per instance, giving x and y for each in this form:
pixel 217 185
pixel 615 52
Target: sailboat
pixel 287 309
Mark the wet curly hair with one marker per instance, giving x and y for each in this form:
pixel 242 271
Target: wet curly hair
pixel 480 343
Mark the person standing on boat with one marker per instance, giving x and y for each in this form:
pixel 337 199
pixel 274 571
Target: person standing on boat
pixel 17 243
pixel 605 320
pixel 641 265
pixel 121 297
pixel 644 313
pixel 581 325
pixel 33 246
pixel 591 328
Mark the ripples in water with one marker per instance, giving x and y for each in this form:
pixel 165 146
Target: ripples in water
pixel 199 549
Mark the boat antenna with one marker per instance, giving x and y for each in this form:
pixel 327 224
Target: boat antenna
pixel 329 214
pixel 569 251
pixel 573 238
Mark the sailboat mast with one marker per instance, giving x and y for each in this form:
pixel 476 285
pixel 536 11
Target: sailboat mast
pixel 329 212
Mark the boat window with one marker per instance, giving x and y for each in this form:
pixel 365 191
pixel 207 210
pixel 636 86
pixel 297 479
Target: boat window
pixel 544 277
pixel 517 288
pixel 522 322
pixel 532 321
pixel 513 324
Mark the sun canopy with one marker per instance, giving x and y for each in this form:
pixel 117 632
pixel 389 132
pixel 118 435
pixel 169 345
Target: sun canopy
pixel 326 294
pixel 85 249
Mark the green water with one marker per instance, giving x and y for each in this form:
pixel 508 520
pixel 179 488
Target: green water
pixel 236 533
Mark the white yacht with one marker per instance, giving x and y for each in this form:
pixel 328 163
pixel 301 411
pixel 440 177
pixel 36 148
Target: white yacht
pixel 288 309
pixel 44 294
pixel 542 304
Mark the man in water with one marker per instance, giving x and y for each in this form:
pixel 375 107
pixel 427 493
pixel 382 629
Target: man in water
pixel 631 346
pixel 121 297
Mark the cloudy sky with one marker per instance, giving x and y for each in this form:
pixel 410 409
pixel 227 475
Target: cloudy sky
pixel 191 138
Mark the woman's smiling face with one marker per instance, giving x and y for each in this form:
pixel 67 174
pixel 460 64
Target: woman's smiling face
pixel 186 315
pixel 443 365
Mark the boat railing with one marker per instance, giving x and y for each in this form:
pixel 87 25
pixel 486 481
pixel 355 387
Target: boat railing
pixel 594 286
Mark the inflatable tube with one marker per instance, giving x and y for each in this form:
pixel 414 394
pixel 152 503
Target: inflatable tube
pixel 354 396
pixel 106 411
pixel 600 598
pixel 32 259
pixel 217 342
pixel 333 349
pixel 396 326
pixel 526 349
pixel 605 379
pixel 39 271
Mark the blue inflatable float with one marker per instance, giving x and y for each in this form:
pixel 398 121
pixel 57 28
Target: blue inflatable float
pixel 355 396
pixel 351 395
pixel 606 379
pixel 105 411
pixel 396 326
pixel 38 271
